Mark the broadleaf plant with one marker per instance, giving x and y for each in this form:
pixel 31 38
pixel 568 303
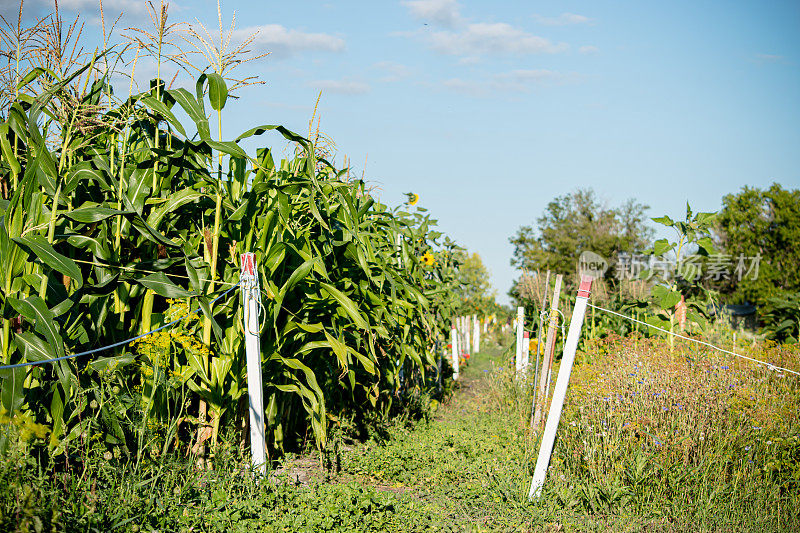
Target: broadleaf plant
pixel 673 290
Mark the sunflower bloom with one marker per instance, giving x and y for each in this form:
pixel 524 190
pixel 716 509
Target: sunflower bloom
pixel 412 198
pixel 428 259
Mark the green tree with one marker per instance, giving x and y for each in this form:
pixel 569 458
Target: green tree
pixel 763 223
pixel 577 222
pixel 476 294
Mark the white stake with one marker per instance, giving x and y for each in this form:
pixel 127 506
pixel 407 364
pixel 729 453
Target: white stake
pixel 560 392
pixel 520 322
pixel 251 302
pixel 476 334
pixel 526 346
pixel 454 353
pixel 465 326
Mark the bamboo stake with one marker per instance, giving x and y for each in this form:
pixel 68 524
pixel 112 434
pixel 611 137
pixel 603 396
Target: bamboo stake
pixel 548 354
pixel 539 345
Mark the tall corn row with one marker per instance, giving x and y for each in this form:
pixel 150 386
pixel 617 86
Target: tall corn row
pixel 97 221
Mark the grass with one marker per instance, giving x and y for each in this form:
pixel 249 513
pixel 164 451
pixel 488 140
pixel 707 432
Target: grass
pixel 718 458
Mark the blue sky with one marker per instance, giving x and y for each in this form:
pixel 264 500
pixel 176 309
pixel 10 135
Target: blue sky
pixel 488 110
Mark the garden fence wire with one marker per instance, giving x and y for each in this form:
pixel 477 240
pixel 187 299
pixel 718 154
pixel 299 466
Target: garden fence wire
pixel 770 366
pixel 116 344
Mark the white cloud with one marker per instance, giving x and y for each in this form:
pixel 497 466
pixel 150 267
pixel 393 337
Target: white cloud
pixel 340 86
pixel 769 58
pixel 518 81
pixel 531 75
pixel 588 49
pixel 470 87
pixel 491 38
pixel 89 10
pixel 282 42
pixel 110 7
pixel 469 60
pixel 442 12
pixel 392 71
pixel 564 19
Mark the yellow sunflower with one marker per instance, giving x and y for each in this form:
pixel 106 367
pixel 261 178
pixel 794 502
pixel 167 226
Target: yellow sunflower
pixel 428 259
pixel 412 198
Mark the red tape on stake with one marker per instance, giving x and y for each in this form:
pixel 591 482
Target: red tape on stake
pixel 585 287
pixel 248 264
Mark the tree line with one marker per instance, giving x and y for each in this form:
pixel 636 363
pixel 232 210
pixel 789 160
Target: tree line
pixel 754 253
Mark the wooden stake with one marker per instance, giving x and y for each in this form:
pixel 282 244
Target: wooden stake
pixel 539 337
pixel 548 354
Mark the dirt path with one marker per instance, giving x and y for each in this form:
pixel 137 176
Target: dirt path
pixel 306 469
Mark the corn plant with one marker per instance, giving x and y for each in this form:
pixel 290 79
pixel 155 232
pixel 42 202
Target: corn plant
pixel 103 235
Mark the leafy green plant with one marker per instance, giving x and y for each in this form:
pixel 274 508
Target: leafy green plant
pixel 782 318
pixel 693 234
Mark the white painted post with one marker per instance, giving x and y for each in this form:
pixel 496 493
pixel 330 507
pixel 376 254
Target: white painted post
pixel 476 334
pixel 560 392
pixel 471 330
pixel 520 322
pixel 399 244
pixel 454 351
pixel 465 326
pixel 459 333
pixel 526 346
pixel 251 302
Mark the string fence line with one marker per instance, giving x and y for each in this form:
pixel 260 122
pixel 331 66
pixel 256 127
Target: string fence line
pixel 134 269
pixel 544 315
pixel 116 344
pixel 770 366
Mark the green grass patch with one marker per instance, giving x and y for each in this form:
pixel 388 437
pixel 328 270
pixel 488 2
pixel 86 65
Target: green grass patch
pixel 466 467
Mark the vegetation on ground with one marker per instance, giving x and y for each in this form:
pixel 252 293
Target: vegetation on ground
pixel 651 439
